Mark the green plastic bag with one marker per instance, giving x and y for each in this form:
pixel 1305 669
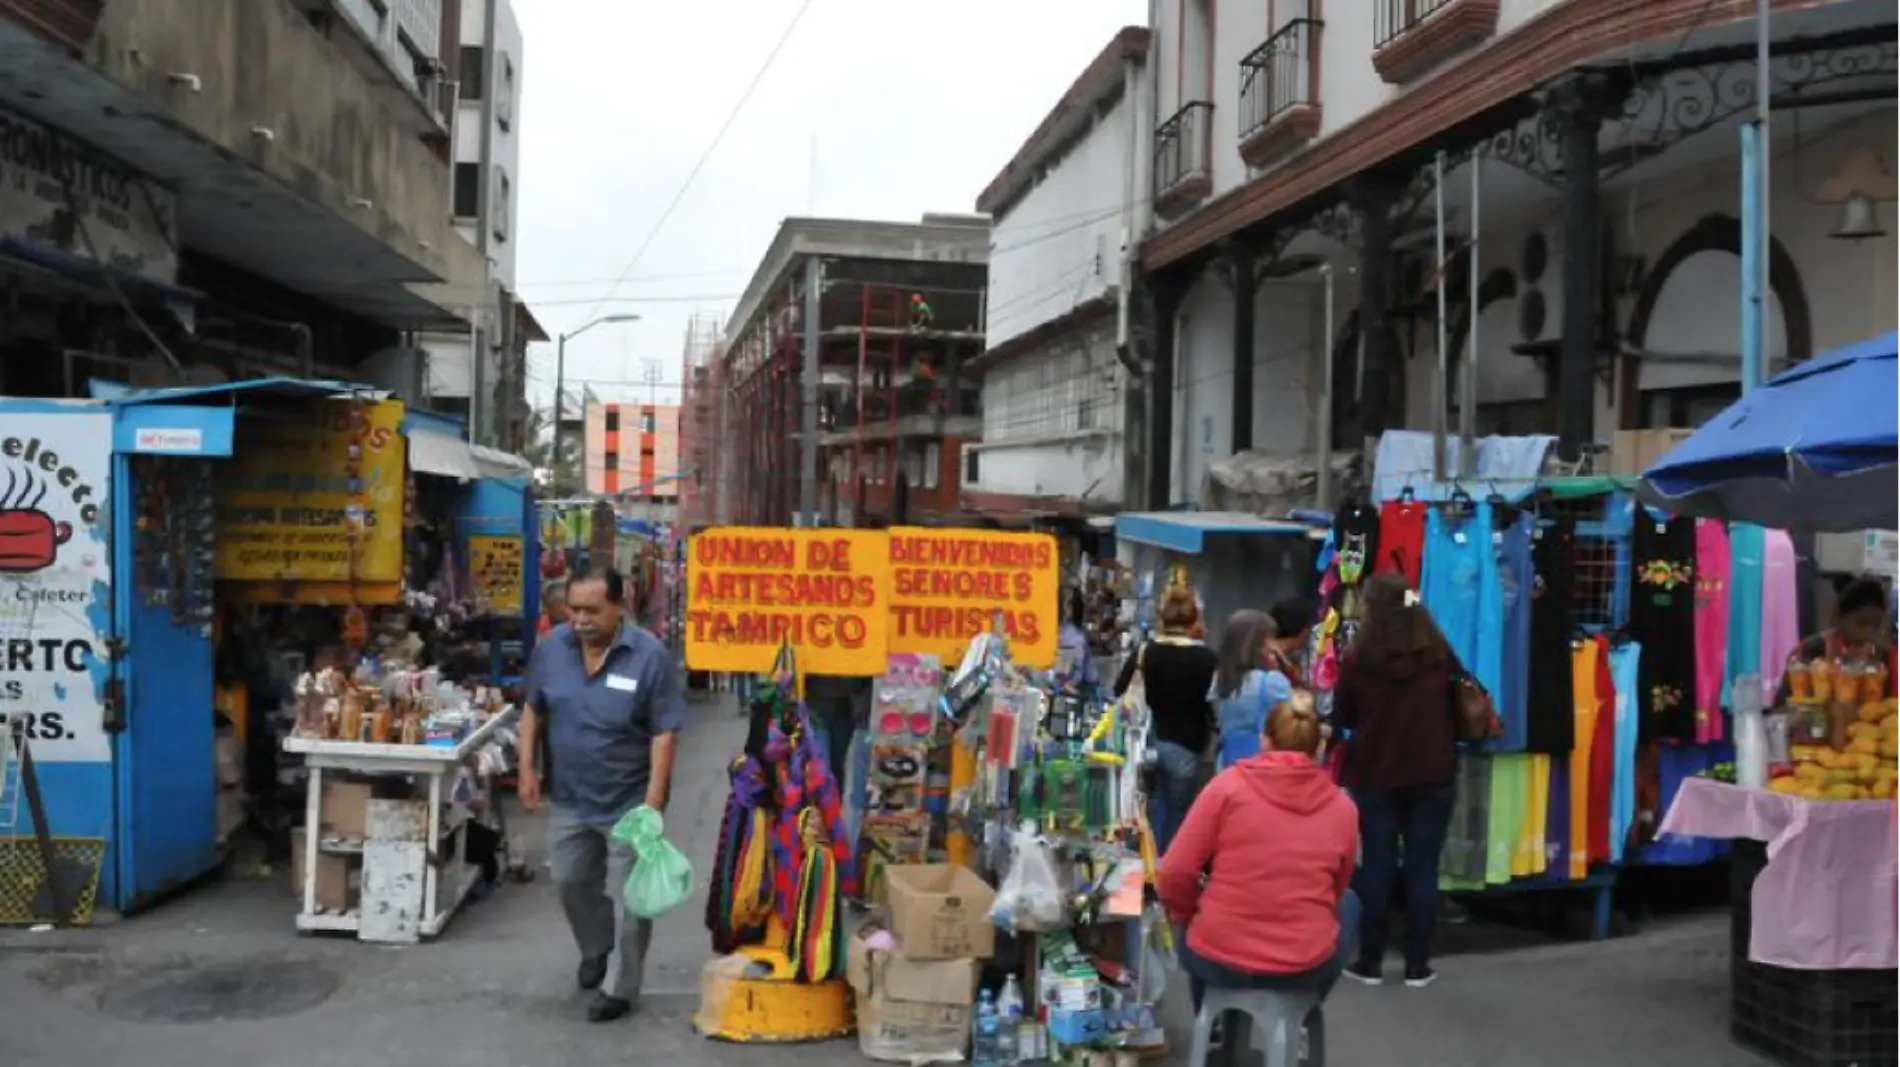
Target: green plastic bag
pixel 662 877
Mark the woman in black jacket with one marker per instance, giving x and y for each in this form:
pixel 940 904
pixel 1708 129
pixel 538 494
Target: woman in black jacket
pixel 1177 671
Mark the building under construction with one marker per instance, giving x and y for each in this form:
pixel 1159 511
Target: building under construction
pixel 899 313
pixel 702 423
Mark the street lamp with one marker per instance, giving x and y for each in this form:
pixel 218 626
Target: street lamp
pixel 560 384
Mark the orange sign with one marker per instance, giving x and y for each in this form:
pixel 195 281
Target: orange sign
pixel 750 588
pixel 947 586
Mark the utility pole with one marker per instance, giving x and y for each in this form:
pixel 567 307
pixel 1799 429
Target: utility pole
pixel 560 393
pixel 808 437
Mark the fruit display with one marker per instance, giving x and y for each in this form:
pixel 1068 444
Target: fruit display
pixel 1856 762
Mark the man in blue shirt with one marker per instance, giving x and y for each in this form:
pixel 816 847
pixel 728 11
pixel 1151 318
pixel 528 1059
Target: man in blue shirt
pixel 605 697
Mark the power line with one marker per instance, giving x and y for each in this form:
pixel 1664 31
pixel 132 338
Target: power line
pixel 758 76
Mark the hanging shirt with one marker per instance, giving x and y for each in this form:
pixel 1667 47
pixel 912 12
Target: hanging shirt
pixel 1549 725
pixel 1584 693
pixel 1401 538
pixel 1747 552
pixel 1780 611
pixel 1458 556
pixel 1662 617
pixel 1516 578
pixel 1557 820
pixel 1356 541
pixel 1602 755
pixel 1711 626
pixel 1625 661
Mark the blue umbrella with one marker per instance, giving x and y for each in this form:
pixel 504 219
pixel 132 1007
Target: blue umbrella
pixel 1814 449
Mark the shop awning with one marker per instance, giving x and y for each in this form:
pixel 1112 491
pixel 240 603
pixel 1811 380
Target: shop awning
pixel 1187 531
pixel 442 455
pixel 499 465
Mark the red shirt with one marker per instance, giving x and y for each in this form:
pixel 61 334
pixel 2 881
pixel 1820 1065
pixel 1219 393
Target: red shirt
pixel 1602 757
pixel 1278 841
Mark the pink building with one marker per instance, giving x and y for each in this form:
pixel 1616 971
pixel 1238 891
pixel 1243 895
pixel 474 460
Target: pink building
pixel 633 449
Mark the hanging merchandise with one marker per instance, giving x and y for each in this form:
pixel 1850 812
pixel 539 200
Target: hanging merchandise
pixel 1356 531
pixel 1711 627
pixel 1747 556
pixel 1662 617
pixel 1780 619
pixel 1029 898
pixel 1550 726
pixel 1402 537
pixel 1625 670
pixel 1460 565
pixel 1516 585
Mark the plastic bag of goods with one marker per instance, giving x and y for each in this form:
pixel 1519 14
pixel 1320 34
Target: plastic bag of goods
pixel 662 877
pixel 1031 897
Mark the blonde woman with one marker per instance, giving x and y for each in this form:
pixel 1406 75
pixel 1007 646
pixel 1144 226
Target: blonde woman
pixel 1177 671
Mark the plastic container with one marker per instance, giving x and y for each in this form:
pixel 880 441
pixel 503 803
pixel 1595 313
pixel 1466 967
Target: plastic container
pixel 983 1037
pixel 1009 1023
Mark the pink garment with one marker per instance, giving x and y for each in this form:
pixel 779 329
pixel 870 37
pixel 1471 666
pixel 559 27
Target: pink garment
pixel 1825 900
pixel 1711 626
pixel 1780 619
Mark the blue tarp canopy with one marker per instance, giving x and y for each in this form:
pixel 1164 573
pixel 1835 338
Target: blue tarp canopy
pixel 1187 531
pixel 1813 449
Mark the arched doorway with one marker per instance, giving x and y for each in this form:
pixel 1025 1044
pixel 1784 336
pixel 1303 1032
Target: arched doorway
pixel 1689 306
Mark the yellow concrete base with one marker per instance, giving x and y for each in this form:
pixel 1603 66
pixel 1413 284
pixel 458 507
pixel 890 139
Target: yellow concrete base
pixel 776 1011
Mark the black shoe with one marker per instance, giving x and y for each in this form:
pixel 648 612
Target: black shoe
pixel 1365 973
pixel 605 1009
pixel 593 971
pixel 1419 977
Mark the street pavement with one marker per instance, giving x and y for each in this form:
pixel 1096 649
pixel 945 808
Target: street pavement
pixel 497 989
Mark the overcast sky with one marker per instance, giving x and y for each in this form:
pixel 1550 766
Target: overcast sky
pixel 912 106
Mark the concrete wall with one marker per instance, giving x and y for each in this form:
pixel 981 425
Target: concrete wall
pixel 499 111
pixel 1060 243
pixel 1288 340
pixel 260 61
pixel 1052 420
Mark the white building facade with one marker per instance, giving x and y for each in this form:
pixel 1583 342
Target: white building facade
pixel 474 372
pixel 1068 211
pixel 1297 146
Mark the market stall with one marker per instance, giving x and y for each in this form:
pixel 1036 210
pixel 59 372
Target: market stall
pixel 177 558
pixel 991 819
pixel 393 844
pixel 1812 813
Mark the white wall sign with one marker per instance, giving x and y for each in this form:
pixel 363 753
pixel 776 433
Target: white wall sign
pixel 179 441
pixel 55 581
pixel 58 192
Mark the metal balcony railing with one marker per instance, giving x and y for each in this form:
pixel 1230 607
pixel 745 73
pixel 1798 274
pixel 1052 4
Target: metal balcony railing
pixel 1278 75
pixel 1393 17
pixel 1181 146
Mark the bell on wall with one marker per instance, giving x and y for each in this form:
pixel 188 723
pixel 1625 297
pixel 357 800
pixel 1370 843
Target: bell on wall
pixel 1860 219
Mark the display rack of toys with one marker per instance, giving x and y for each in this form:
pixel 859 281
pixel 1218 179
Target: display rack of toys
pixel 782 871
pixel 1044 787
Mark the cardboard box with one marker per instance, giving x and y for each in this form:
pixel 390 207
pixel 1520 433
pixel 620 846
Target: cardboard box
pixel 1634 451
pixel 896 1031
pixel 339 880
pixel 910 1010
pixel 345 810
pixel 940 912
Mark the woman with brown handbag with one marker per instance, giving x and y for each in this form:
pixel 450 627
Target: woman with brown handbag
pixel 1405 700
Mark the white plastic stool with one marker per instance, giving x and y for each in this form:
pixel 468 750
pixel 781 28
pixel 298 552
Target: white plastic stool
pixel 1277 1016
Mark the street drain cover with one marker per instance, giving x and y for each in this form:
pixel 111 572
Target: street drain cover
pixel 219 992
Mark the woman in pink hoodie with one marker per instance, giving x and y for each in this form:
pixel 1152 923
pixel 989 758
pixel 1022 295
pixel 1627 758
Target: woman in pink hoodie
pixel 1276 841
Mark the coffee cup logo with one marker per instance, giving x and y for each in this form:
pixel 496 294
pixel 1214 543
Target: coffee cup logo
pixel 30 540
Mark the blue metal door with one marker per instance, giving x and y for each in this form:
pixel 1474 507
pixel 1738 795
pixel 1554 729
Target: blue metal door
pixel 166 755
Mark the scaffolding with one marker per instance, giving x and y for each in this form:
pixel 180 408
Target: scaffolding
pixel 893 333
pixel 702 424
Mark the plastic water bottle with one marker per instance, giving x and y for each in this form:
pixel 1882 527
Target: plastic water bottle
pixel 1009 1021
pixel 983 1051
